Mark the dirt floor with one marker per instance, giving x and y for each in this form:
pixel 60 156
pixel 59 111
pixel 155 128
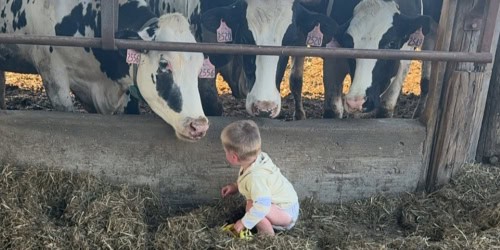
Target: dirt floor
pixel 26 92
pixel 54 209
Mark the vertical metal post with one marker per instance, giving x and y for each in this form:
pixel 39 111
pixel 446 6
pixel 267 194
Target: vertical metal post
pixel 109 23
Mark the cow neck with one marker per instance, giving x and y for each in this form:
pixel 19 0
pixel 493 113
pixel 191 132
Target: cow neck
pixel 134 89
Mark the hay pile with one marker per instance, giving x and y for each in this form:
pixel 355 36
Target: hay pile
pixel 58 210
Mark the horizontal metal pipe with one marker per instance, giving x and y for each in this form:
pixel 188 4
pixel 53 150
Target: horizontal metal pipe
pixel 253 50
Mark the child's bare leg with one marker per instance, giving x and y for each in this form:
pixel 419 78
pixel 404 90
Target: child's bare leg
pixel 276 216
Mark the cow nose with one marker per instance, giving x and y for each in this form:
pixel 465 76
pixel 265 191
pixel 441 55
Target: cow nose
pixel 355 104
pixel 198 127
pixel 264 109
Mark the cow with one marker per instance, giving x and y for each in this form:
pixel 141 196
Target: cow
pixel 101 79
pixel 369 24
pixel 266 23
pixel 193 9
pixel 253 77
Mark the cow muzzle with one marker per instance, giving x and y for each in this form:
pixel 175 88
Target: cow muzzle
pixel 354 104
pixel 265 109
pixel 360 104
pixel 194 129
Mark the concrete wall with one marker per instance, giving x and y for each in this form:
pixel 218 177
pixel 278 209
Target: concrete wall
pixel 329 160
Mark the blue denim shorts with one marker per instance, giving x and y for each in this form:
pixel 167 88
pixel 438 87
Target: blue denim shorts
pixel 293 211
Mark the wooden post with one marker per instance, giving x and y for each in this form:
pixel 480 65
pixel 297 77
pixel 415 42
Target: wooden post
pixel 2 90
pixel 458 91
pixel 488 149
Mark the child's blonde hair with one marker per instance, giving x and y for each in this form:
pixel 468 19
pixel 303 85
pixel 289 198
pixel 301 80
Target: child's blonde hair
pixel 243 138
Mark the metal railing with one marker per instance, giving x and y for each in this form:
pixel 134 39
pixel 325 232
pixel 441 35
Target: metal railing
pixel 109 13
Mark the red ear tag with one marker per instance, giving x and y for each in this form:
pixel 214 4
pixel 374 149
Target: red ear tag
pixel 133 56
pixel 315 37
pixel 416 39
pixel 207 70
pixel 224 33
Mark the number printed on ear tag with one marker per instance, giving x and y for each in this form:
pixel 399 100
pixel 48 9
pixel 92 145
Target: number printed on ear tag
pixel 224 33
pixel 133 56
pixel 315 37
pixel 416 39
pixel 207 70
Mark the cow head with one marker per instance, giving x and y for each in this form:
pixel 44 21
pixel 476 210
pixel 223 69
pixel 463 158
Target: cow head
pixel 168 80
pixel 266 23
pixel 376 24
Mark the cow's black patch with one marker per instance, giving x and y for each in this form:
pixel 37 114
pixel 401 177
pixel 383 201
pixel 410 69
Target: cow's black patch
pixel 112 63
pixel 16 6
pixel 77 22
pixel 19 20
pixel 3 14
pixel 195 21
pixel 4 28
pixel 169 91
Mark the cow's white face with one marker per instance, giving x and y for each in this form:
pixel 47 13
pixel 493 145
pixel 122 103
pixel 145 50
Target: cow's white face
pixel 168 81
pixel 268 22
pixel 376 24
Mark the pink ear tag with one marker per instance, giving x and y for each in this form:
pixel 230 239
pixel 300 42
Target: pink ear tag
pixel 333 44
pixel 207 70
pixel 224 33
pixel 315 37
pixel 133 56
pixel 416 39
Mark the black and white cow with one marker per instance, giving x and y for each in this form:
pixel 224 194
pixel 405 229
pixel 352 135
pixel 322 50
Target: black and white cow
pixel 193 9
pixel 101 79
pixel 369 24
pixel 254 74
pixel 269 23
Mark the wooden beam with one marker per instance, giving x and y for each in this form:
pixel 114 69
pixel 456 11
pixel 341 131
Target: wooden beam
pixel 488 149
pixel 458 91
pixel 2 90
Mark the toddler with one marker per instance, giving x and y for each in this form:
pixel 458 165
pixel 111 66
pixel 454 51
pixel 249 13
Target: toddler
pixel 271 201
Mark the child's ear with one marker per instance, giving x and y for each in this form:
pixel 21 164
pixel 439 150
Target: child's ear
pixel 234 156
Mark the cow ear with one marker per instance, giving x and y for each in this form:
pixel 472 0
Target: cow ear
pixel 306 21
pixel 408 25
pixel 146 34
pixel 126 34
pixel 231 15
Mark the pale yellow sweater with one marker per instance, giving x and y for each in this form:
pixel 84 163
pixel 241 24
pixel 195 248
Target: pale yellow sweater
pixel 264 184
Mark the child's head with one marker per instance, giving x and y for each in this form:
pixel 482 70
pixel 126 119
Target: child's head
pixel 242 138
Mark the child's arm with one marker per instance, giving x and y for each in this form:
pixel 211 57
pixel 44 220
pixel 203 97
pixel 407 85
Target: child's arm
pixel 261 197
pixel 229 189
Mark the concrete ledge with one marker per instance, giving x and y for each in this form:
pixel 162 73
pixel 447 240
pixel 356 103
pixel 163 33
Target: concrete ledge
pixel 330 160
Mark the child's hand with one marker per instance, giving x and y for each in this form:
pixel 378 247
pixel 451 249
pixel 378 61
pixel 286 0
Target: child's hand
pixel 238 226
pixel 229 190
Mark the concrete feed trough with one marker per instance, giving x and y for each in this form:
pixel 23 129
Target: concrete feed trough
pixel 329 160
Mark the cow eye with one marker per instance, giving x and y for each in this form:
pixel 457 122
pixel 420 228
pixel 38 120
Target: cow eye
pixel 164 66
